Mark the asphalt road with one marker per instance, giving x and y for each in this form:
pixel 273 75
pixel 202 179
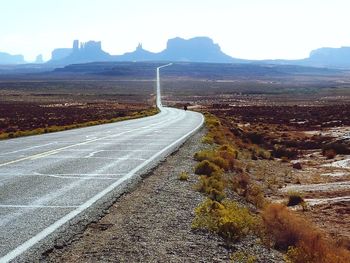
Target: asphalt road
pixel 47 181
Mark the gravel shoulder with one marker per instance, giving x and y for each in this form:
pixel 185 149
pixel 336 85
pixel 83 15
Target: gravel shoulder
pixel 152 223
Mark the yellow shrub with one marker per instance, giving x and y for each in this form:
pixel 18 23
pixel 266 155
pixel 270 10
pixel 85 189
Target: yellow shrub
pixel 207 168
pixel 183 176
pixel 216 195
pixel 227 219
pixel 206 184
pixel 204 155
pixel 208 139
pixel 211 121
pixel 212 156
pixel 241 257
pixel 227 151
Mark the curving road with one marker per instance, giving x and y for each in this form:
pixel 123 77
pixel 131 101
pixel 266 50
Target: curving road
pixel 51 181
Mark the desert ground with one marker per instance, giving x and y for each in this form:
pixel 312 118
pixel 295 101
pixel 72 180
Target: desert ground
pixel 292 129
pixel 305 127
pixel 31 104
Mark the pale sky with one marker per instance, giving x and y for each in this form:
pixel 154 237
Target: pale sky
pixel 250 29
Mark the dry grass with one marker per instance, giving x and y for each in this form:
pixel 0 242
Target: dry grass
pixel 218 133
pixel 134 115
pixel 303 241
pixel 258 152
pixel 252 192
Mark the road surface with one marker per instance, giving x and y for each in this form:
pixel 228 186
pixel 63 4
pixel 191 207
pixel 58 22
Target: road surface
pixel 51 181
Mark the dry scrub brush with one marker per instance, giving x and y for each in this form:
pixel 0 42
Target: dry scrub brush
pixel 224 156
pixel 302 241
pixel 183 176
pixel 226 218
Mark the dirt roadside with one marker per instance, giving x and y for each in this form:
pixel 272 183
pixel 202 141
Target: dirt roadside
pixel 153 223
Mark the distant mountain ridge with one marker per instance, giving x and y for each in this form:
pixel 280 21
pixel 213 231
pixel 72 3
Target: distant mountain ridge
pixel 198 49
pixel 330 57
pixel 203 49
pixel 326 57
pixel 6 58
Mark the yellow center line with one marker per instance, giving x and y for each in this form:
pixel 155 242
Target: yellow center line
pixel 51 152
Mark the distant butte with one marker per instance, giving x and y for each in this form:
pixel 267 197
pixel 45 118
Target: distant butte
pixel 199 49
pixel 6 58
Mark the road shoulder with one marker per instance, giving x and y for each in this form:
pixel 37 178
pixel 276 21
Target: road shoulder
pixel 151 223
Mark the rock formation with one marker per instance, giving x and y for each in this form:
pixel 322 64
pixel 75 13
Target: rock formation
pixel 90 51
pixel 6 58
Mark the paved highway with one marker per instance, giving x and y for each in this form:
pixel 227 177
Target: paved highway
pixel 48 181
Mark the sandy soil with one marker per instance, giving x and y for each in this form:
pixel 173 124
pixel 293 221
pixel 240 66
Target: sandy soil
pixel 325 185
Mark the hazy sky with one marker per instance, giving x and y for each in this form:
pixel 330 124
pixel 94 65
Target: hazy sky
pixel 252 29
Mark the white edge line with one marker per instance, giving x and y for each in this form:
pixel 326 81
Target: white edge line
pixel 80 178
pixel 38 206
pixel 50 229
